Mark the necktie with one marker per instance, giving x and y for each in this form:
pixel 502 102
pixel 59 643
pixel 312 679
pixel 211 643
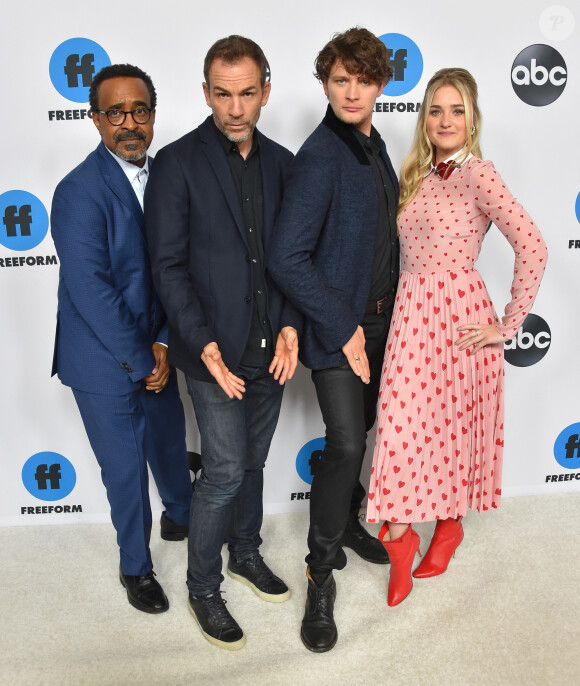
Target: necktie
pixel 141 183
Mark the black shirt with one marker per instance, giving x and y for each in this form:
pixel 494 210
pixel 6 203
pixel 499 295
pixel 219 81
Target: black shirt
pixel 247 176
pixel 385 262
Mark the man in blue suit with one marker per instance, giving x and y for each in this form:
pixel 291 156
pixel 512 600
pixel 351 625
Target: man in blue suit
pixel 112 333
pixel 335 255
pixel 210 210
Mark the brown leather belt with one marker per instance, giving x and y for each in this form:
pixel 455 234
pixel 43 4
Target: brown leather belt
pixel 381 305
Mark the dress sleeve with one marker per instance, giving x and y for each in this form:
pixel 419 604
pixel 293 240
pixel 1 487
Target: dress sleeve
pixel 494 199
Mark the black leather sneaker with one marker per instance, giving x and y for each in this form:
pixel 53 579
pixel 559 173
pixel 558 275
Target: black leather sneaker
pixel 215 622
pixel 256 574
pixel 318 631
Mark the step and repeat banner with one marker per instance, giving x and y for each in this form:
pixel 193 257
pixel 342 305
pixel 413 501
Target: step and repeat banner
pixel 525 59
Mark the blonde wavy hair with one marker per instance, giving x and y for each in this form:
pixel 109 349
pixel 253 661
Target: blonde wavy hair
pixel 419 160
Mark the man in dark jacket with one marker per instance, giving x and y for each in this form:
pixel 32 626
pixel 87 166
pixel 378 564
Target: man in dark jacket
pixel 210 210
pixel 335 255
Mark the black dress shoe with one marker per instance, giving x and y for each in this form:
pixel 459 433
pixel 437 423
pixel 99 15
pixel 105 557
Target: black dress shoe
pixel 318 631
pixel 357 538
pixel 144 592
pixel 170 531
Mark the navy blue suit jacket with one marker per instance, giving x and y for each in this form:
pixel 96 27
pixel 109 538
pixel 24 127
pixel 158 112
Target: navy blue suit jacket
pixel 108 313
pixel 323 247
pixel 199 249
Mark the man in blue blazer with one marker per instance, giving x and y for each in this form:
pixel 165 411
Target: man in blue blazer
pixel 210 209
pixel 335 255
pixel 112 332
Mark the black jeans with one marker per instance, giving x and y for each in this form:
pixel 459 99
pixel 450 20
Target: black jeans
pixel 348 409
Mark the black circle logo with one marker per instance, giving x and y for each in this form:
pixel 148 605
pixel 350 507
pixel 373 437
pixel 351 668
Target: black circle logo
pixel 539 75
pixel 530 344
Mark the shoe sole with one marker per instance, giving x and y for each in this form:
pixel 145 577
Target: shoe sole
pixel 172 537
pixel 268 597
pixel 234 645
pixel 318 650
pixel 140 606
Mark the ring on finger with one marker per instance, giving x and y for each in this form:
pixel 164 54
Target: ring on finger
pixel 357 359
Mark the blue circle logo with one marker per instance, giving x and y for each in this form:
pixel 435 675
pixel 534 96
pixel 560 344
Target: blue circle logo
pixel 567 447
pixel 308 459
pixel 577 207
pixel 24 220
pixel 48 476
pixel 406 61
pixel 73 65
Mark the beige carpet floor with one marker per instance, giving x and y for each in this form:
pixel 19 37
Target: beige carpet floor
pixel 506 612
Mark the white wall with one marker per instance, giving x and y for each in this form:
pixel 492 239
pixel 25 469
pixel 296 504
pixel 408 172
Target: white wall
pixel 534 148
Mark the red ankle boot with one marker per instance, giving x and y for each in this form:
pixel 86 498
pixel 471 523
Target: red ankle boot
pixel 446 539
pixel 401 552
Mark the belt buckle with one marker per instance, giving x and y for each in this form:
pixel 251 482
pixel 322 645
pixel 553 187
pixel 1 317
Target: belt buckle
pixel 384 303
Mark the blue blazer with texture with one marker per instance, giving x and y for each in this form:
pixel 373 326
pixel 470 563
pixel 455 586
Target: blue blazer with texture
pixel 108 313
pixel 322 251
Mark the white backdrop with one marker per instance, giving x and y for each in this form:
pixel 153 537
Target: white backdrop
pixel 535 148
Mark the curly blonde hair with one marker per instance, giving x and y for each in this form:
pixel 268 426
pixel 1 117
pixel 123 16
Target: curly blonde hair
pixel 422 153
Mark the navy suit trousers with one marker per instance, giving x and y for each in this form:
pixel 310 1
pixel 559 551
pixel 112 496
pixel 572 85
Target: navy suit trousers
pixel 126 433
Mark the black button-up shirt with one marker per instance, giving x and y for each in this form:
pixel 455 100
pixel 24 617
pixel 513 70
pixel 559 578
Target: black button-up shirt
pixel 247 175
pixel 385 262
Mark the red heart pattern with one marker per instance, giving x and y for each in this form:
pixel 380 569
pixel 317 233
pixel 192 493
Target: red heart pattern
pixel 441 232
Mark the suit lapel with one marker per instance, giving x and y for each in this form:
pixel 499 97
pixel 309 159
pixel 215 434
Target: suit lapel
pixel 119 185
pixel 216 158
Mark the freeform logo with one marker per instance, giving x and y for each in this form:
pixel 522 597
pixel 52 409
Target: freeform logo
pixel 406 61
pixel 24 220
pixel 574 243
pixel 308 459
pixel 567 454
pixel 539 75
pixel 73 65
pixel 48 476
pixel 531 343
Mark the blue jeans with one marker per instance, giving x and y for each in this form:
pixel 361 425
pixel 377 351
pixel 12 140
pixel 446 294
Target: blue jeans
pixel 226 502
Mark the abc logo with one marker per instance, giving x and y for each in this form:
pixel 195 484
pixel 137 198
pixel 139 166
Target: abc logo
pixel 24 220
pixel 406 62
pixel 48 476
pixel 530 344
pixel 308 459
pixel 567 447
pixel 73 65
pixel 539 75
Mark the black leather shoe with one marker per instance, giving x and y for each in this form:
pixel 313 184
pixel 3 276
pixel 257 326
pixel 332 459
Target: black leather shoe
pixel 318 631
pixel 170 531
pixel 256 574
pixel 357 538
pixel 144 592
pixel 215 622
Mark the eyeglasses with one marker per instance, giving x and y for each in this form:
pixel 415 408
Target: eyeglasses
pixel 141 115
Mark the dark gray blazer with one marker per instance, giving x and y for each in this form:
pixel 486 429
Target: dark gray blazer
pixel 322 251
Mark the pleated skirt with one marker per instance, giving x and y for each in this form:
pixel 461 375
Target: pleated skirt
pixel 439 440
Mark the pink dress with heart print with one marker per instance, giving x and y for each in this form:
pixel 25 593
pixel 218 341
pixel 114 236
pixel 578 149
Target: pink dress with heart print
pixel 439 440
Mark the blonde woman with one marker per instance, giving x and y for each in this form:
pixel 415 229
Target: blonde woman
pixel 439 442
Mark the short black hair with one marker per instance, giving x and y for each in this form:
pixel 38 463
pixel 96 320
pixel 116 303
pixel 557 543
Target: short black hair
pixel 114 71
pixel 233 49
